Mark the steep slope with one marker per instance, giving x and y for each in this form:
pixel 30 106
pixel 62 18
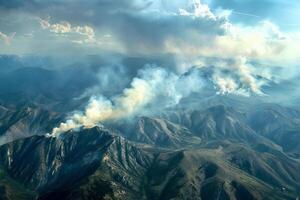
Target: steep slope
pixel 217 123
pixel 62 166
pixel 10 189
pixel 273 168
pixel 203 174
pixel 279 124
pixel 95 164
pixel 158 132
pixel 266 119
pixel 25 121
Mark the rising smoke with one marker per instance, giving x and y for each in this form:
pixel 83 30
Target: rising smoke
pixel 153 86
pixel 154 89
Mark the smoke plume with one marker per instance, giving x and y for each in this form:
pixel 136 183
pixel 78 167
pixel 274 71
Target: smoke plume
pixel 153 87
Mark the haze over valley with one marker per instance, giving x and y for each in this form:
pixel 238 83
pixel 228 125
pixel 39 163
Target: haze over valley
pixel 149 100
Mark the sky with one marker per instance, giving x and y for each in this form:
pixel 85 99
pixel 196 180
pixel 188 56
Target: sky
pixel 248 38
pixel 147 26
pixel 283 13
pixel 246 44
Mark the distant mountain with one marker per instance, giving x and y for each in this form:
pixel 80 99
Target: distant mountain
pixel 158 132
pixel 22 83
pixel 279 124
pixel 21 122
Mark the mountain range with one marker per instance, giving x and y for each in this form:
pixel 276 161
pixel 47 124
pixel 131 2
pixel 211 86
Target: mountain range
pixel 217 147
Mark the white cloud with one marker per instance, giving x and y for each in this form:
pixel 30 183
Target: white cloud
pixel 63 27
pixel 86 31
pixel 262 42
pixel 271 30
pixel 6 38
pixel 67 28
pixel 198 10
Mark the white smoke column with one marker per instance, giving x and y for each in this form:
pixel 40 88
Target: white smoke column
pixel 225 85
pixel 236 76
pixel 246 75
pixel 153 85
pixel 101 109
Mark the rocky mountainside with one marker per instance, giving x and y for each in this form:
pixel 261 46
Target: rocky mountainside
pixel 25 121
pixel 97 164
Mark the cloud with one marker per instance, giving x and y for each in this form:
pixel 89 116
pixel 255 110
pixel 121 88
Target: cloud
pixel 262 42
pixel 7 39
pixel 199 10
pixel 144 27
pixel 189 31
pixel 66 28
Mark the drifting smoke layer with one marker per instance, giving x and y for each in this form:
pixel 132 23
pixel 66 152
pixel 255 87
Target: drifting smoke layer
pixel 152 86
pixel 237 76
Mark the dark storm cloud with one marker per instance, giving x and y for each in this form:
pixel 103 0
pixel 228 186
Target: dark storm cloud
pixel 144 31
